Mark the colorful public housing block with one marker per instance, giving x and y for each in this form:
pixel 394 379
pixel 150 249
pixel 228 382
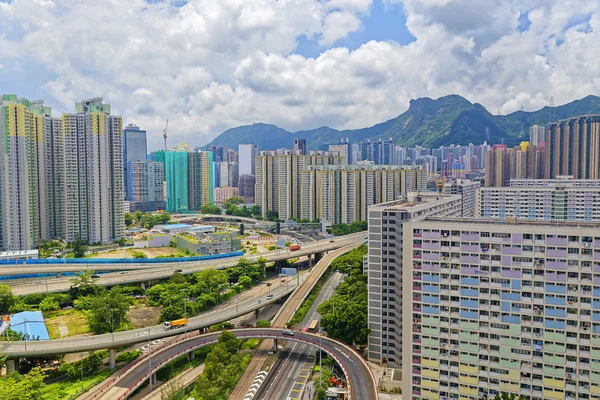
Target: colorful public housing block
pixel 472 307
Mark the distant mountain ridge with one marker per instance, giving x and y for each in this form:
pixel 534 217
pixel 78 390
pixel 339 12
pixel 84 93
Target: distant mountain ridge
pixel 427 122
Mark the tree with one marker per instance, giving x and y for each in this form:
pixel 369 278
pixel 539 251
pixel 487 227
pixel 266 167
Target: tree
pixel 235 200
pixel 26 387
pixel 108 311
pixel 170 313
pixel 49 304
pixel 139 254
pixel 128 219
pixel 83 279
pixel 272 216
pixel 79 248
pixel 245 281
pixel 349 321
pixel 255 210
pixel 177 278
pixel 7 300
pixel 210 208
pixel 261 323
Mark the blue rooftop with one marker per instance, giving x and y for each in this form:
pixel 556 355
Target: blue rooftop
pixel 174 226
pixel 30 323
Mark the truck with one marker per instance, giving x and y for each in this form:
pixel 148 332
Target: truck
pixel 294 247
pixel 178 323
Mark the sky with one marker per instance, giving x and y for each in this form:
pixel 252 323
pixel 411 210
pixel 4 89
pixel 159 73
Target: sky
pixel 209 65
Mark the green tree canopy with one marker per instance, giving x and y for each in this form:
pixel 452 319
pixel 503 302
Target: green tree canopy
pixel 108 310
pixel 210 208
pixel 7 300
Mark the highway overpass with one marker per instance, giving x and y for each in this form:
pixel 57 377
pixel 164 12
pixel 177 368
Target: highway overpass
pixel 90 343
pixel 362 383
pixel 149 272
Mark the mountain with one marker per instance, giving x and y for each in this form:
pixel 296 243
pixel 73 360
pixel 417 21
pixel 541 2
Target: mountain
pixel 427 122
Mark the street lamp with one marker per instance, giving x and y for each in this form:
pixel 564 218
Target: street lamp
pixel 185 316
pixel 149 361
pixel 320 363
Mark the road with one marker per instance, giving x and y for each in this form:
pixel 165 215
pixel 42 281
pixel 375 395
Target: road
pixel 286 312
pixel 360 378
pixel 291 376
pixel 128 338
pixel 163 271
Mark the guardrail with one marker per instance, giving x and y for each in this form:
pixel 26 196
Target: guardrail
pixel 158 366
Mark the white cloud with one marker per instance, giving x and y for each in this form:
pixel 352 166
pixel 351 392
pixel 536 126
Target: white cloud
pixel 214 64
pixel 337 25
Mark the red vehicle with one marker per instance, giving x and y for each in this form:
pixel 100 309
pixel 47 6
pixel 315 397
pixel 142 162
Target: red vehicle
pixel 294 247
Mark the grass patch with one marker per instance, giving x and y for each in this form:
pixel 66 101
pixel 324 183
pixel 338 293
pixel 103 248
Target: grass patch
pixel 67 389
pixel 310 299
pixel 73 320
pixel 250 344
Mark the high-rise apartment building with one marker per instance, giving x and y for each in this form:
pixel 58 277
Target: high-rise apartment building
pixel 549 200
pixel 200 179
pixel 246 188
pixel 494 306
pixel 247 155
pixel 572 147
pixel 90 166
pixel 26 130
pixel 61 178
pixel 468 191
pixel 343 193
pixel 502 164
pixel 222 194
pixel 537 135
pixel 385 268
pixel 300 145
pixel 135 148
pixel 278 180
pixel 145 189
pixel 177 177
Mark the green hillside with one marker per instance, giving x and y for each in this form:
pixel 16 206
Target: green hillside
pixel 427 122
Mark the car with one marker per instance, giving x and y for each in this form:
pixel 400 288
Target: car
pixel 331 241
pixel 269 284
pixel 269 296
pixel 95 276
pixel 287 332
pixel 283 280
pixel 178 270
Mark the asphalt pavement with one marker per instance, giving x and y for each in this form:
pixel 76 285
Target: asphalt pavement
pixel 357 371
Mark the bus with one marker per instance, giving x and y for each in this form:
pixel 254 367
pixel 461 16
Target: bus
pixel 313 326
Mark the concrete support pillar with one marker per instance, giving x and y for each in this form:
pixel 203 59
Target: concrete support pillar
pixel 11 366
pixel 111 358
pixel 275 345
pixel 143 285
pixel 190 356
pixel 310 261
pixel 153 378
pixel 58 274
pixel 256 312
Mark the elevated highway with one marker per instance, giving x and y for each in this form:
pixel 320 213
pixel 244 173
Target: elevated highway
pixel 118 339
pixel 362 384
pixel 136 273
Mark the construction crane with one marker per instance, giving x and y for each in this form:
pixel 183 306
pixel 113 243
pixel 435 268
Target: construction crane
pixel 165 133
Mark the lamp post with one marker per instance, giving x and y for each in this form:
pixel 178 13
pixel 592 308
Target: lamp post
pixel 81 362
pixel 185 316
pixel 320 359
pixel 149 361
pixel 112 323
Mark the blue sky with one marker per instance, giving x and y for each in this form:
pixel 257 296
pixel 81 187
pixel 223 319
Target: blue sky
pixel 384 23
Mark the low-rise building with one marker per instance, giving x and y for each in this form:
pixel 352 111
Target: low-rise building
pixel 213 243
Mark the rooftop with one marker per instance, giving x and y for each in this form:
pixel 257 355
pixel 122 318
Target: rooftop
pixel 514 222
pixel 30 323
pixel 416 200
